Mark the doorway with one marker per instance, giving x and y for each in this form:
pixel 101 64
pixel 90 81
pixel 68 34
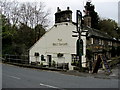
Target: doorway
pixel 49 57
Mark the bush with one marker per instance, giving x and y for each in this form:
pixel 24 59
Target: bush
pixel 53 63
pixel 41 64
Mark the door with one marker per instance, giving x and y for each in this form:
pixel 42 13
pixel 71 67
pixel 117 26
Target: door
pixel 49 57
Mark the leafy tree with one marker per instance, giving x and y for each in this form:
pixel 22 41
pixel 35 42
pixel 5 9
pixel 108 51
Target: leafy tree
pixel 7 35
pixel 39 31
pixel 118 32
pixel 24 38
pixel 109 26
pixel 22 24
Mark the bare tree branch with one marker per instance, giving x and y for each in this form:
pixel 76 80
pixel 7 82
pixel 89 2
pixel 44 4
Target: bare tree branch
pixel 30 14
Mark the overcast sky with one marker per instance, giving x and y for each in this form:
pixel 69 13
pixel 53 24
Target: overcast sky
pixel 105 8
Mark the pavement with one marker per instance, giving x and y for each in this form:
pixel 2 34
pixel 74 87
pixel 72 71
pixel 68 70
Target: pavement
pixel 101 73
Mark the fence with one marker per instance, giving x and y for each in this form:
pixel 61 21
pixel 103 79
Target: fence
pixel 21 59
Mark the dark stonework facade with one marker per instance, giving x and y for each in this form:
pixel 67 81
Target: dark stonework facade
pixel 98 43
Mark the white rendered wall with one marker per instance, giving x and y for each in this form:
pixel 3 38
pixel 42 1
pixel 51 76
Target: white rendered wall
pixel 57 40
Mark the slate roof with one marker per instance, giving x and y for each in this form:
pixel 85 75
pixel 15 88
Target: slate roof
pixel 97 33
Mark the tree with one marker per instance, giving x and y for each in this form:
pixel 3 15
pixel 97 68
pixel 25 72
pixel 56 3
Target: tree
pixel 39 32
pixel 118 32
pixel 7 35
pixel 20 23
pixel 24 38
pixel 23 42
pixel 90 10
pixel 109 26
pixel 10 10
pixel 30 14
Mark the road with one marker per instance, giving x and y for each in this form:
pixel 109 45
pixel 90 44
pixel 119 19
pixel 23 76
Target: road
pixel 18 77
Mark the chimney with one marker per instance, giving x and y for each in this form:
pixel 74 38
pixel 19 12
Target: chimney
pixel 63 16
pixel 87 21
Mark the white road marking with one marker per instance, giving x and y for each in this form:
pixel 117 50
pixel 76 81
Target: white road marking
pixel 14 77
pixel 41 84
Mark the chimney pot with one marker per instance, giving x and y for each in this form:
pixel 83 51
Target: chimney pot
pixel 58 9
pixel 68 8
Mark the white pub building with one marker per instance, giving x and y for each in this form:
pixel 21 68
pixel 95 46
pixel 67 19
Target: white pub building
pixel 57 44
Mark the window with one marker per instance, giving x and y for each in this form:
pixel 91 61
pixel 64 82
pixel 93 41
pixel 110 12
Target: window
pixel 75 60
pixel 36 54
pixel 91 40
pixel 97 41
pixel 42 58
pixel 110 43
pixel 59 55
pixel 100 41
pixel 95 56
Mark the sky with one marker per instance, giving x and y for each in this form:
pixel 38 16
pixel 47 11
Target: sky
pixel 104 8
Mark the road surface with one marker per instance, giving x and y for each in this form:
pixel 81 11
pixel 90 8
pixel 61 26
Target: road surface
pixel 18 77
